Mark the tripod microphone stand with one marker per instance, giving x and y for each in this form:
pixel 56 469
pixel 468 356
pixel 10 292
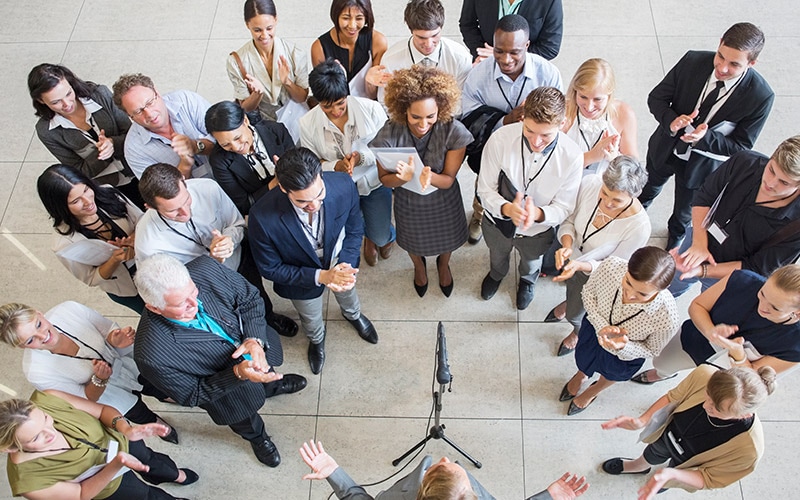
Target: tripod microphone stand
pixel 444 377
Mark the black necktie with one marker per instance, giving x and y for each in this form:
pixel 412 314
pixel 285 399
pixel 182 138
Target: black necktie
pixel 702 113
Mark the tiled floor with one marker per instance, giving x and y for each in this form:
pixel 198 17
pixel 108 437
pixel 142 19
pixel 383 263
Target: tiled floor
pixel 371 402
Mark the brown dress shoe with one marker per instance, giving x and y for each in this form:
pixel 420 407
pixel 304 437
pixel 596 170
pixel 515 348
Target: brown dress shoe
pixel 370 252
pixel 386 250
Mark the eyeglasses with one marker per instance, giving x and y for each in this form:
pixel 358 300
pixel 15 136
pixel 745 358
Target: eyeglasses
pixel 147 105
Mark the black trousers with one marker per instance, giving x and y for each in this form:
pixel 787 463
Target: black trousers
pixel 162 470
pixel 682 204
pixel 251 428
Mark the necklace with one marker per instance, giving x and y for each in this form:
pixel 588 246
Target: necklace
pixel 708 417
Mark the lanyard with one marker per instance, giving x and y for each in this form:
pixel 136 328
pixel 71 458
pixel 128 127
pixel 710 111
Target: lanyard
pixel 80 440
pixel 413 62
pixel 258 155
pixel 611 312
pixel 584 237
pixel 198 241
pixel 754 204
pixel 719 97
pixel 308 228
pixel 585 141
pixel 519 96
pixel 522 157
pixel 76 339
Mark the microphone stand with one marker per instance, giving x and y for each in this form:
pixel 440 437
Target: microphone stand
pixel 444 378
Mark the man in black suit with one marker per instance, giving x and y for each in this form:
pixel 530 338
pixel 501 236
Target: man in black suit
pixel 203 341
pixel 709 106
pixel 479 19
pixel 305 237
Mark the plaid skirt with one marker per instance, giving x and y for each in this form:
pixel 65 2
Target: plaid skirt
pixel 430 224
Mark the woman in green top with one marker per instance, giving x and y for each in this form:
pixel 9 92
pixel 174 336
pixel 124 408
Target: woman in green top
pixel 66 447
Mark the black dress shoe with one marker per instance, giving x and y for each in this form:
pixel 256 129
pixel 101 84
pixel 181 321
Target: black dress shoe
pixel 266 452
pixel 489 287
pixel 422 289
pixel 525 292
pixel 575 409
pixel 284 325
pixel 446 289
pixel 365 329
pixel 191 477
pixel 615 467
pixel 316 357
pixel 563 350
pixel 289 384
pixel 172 437
pixel 551 316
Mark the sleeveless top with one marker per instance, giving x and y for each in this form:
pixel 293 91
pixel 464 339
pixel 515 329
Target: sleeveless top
pixel 592 132
pixel 362 59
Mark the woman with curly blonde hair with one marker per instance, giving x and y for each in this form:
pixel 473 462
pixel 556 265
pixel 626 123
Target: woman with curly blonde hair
pixel 421 103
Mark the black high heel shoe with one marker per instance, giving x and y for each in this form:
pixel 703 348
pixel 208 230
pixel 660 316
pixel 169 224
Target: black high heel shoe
pixel 422 289
pixel 446 289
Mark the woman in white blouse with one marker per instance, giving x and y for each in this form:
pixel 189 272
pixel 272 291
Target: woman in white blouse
pixel 74 349
pixel 630 316
pixel 608 220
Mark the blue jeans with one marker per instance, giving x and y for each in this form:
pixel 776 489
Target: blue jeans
pixel 376 208
pixel 678 287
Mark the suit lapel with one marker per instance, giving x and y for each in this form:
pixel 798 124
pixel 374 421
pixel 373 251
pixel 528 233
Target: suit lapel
pixel 733 101
pixel 292 225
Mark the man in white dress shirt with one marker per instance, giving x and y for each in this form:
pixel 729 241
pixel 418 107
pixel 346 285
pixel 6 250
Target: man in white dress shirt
pixel 528 184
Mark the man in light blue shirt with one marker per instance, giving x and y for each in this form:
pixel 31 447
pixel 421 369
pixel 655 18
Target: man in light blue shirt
pixel 167 128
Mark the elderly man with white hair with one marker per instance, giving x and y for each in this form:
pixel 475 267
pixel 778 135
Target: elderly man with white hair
pixel 204 341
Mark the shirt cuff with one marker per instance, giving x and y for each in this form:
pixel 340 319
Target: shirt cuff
pixel 316 277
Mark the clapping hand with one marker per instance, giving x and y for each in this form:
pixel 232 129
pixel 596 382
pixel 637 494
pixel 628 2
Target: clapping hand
pixel 682 121
pixel 348 163
pixel 121 337
pixel 698 133
pixel 612 337
pixel 101 369
pixel 254 85
pixel 139 432
pixel 378 76
pixel 405 171
pixel 520 211
pixel 484 52
pixel 221 247
pixel 105 146
pixel 131 462
pixel 284 71
pixel 342 277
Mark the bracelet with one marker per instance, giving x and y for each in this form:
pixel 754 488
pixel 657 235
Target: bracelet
pixel 117 419
pixel 705 271
pixel 99 382
pixel 236 372
pixel 737 362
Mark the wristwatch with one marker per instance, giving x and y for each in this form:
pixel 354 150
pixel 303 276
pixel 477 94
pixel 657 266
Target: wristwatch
pixel 201 146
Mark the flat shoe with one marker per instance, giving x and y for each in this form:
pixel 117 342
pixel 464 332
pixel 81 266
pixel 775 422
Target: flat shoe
pixel 615 467
pixel 386 250
pixel 551 316
pixel 642 378
pixel 563 350
pixel 565 394
pixel 575 409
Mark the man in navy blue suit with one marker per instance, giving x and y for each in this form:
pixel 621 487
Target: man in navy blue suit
pixel 306 236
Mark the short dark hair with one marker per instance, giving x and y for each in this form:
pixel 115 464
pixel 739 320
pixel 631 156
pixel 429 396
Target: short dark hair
pixel 652 265
pixel 44 77
pixel 745 37
pixel 54 185
pixel 425 15
pixel 160 180
pixel 328 82
pixel 545 105
pixel 512 23
pixel 365 6
pixel 297 169
pixel 224 116
pixel 253 8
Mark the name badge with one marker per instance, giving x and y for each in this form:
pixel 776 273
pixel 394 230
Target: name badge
pixel 717 232
pixel 674 443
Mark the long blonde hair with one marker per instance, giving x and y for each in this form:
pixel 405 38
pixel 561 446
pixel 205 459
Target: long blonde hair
pixel 593 74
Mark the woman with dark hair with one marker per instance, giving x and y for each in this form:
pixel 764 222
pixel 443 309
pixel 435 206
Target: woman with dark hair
pixel 269 74
pixel 338 131
pixel 59 446
pixel 82 127
pixel 94 231
pixel 354 42
pixel 705 428
pixel 421 103
pixel 243 160
pixel 630 316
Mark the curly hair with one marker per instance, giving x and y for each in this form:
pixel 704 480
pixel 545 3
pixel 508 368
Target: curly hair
pixel 417 83
pixel 127 82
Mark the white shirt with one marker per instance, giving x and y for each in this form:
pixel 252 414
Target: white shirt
pixel 554 190
pixel 620 237
pixel 365 118
pixel 450 57
pixel 45 370
pixel 211 209
pixel 648 331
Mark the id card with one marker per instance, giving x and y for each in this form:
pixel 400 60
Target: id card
pixel 717 232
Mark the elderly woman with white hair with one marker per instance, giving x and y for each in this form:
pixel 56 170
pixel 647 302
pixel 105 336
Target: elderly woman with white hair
pixel 608 220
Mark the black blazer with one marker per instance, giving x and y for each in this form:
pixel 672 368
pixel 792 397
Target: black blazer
pixel 747 107
pixel 281 248
pixel 194 367
pixel 233 172
pixel 545 19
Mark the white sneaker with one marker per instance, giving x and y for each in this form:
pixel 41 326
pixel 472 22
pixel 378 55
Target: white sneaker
pixel 475 231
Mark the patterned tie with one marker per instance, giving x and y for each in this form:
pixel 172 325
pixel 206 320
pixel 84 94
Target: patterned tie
pixel 427 63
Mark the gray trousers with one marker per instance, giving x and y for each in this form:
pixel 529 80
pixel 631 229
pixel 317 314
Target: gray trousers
pixel 575 310
pixel 310 312
pixel 530 248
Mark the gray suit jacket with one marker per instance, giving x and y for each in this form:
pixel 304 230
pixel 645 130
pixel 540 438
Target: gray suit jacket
pixel 405 488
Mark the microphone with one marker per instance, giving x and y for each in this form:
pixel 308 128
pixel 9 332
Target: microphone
pixel 443 368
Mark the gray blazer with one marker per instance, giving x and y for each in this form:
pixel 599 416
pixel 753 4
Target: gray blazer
pixel 405 488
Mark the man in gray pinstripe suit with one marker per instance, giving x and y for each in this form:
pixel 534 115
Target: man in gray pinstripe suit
pixel 203 341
